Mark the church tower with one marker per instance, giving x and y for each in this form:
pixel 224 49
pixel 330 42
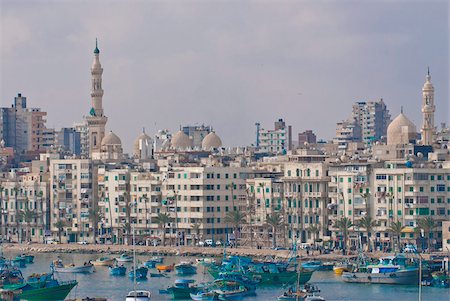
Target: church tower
pixel 96 121
pixel 428 108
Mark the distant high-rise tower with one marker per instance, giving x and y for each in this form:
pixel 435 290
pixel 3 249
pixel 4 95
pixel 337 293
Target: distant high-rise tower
pixel 96 121
pixel 428 108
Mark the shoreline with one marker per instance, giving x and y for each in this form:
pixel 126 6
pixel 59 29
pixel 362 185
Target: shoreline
pixel 178 251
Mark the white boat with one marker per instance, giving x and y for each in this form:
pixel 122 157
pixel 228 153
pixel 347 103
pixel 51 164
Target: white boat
pixel 138 296
pixel 124 258
pixel 57 266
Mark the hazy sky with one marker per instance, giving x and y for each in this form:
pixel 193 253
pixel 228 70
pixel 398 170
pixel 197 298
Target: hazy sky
pixel 224 63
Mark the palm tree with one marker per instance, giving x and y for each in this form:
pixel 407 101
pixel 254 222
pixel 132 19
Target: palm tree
pixel 27 216
pixel 366 197
pixel 274 220
pixel 367 223
pixel 396 229
pixel 162 219
pixel 427 224
pixel 236 219
pixel 344 224
pixel 315 229
pixel 145 197
pixel 95 216
pixel 196 228
pixel 60 224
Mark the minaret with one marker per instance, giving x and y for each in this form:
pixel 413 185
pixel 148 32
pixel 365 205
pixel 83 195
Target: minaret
pixel 428 108
pixel 96 120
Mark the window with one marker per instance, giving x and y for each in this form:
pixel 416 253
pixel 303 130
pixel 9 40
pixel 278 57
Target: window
pixel 440 187
pixel 381 177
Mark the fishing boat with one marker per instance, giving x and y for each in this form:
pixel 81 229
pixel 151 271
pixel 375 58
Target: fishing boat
pixel 139 273
pixel 48 291
pixel 150 263
pixel 165 268
pixel 124 258
pixel 138 296
pixel 185 268
pixel 202 295
pixel 103 261
pixel 312 265
pixel 342 267
pixel 273 274
pixel 26 258
pixel 236 294
pixel 39 278
pixel 157 259
pixel 18 262
pixel 182 289
pixel 59 267
pixel 390 270
pixel 327 266
pixel 440 279
pixel 10 275
pixel 307 293
pixel 117 270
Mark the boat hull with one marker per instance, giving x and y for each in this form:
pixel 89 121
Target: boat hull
pixel 117 271
pixel 406 277
pixel 107 262
pixel 48 293
pixel 210 296
pixel 287 277
pixel 81 269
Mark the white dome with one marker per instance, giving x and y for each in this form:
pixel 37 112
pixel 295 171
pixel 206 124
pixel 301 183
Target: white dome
pixel 111 139
pixel 211 141
pixel 142 146
pixel 181 141
pixel 401 130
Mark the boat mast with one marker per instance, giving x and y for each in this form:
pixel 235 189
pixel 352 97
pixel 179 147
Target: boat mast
pixel 297 290
pixel 420 277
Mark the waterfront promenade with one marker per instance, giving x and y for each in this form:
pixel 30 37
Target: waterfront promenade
pixel 177 251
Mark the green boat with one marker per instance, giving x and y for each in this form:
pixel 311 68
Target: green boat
pixel 182 289
pixel 49 291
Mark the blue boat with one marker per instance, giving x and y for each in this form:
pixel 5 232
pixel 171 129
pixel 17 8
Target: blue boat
pixel 18 262
pixel 26 258
pixel 157 259
pixel 312 265
pixel 185 268
pixel 141 273
pixel 118 270
pixel 150 263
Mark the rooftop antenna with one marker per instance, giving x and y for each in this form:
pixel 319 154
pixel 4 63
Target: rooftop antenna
pixel 401 109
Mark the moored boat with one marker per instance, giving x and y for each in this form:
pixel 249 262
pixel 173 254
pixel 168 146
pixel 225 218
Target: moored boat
pixel 234 295
pixel 185 268
pixel 26 258
pixel 150 264
pixel 49 291
pixel 341 268
pixel 182 289
pixel 139 273
pixel 59 267
pixel 124 258
pixel 157 259
pixel 203 295
pixel 117 270
pixel 312 265
pixel 138 295
pixel 165 268
pixel 390 270
pixel 103 261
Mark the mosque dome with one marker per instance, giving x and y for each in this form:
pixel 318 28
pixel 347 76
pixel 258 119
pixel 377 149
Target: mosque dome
pixel 181 141
pixel 111 139
pixel 211 141
pixel 401 130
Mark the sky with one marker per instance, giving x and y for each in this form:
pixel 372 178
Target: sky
pixel 228 64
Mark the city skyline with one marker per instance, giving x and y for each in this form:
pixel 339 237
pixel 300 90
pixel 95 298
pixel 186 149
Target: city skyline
pixel 252 75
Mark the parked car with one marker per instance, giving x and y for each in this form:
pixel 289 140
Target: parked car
pixel 218 243
pixel 208 242
pixel 51 241
pixel 82 242
pixel 201 243
pixel 304 246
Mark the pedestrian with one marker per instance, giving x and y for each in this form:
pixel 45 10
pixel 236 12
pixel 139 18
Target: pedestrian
pixel 307 252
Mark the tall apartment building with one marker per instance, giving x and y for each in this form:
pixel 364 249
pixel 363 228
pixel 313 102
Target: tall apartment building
pixel 69 139
pixel 347 131
pixel 306 196
pixel 82 129
pixel 276 141
pixel 373 118
pixel 71 199
pixel 21 194
pixel 23 128
pixel 203 196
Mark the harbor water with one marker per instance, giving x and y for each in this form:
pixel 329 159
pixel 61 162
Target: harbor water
pixel 101 284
